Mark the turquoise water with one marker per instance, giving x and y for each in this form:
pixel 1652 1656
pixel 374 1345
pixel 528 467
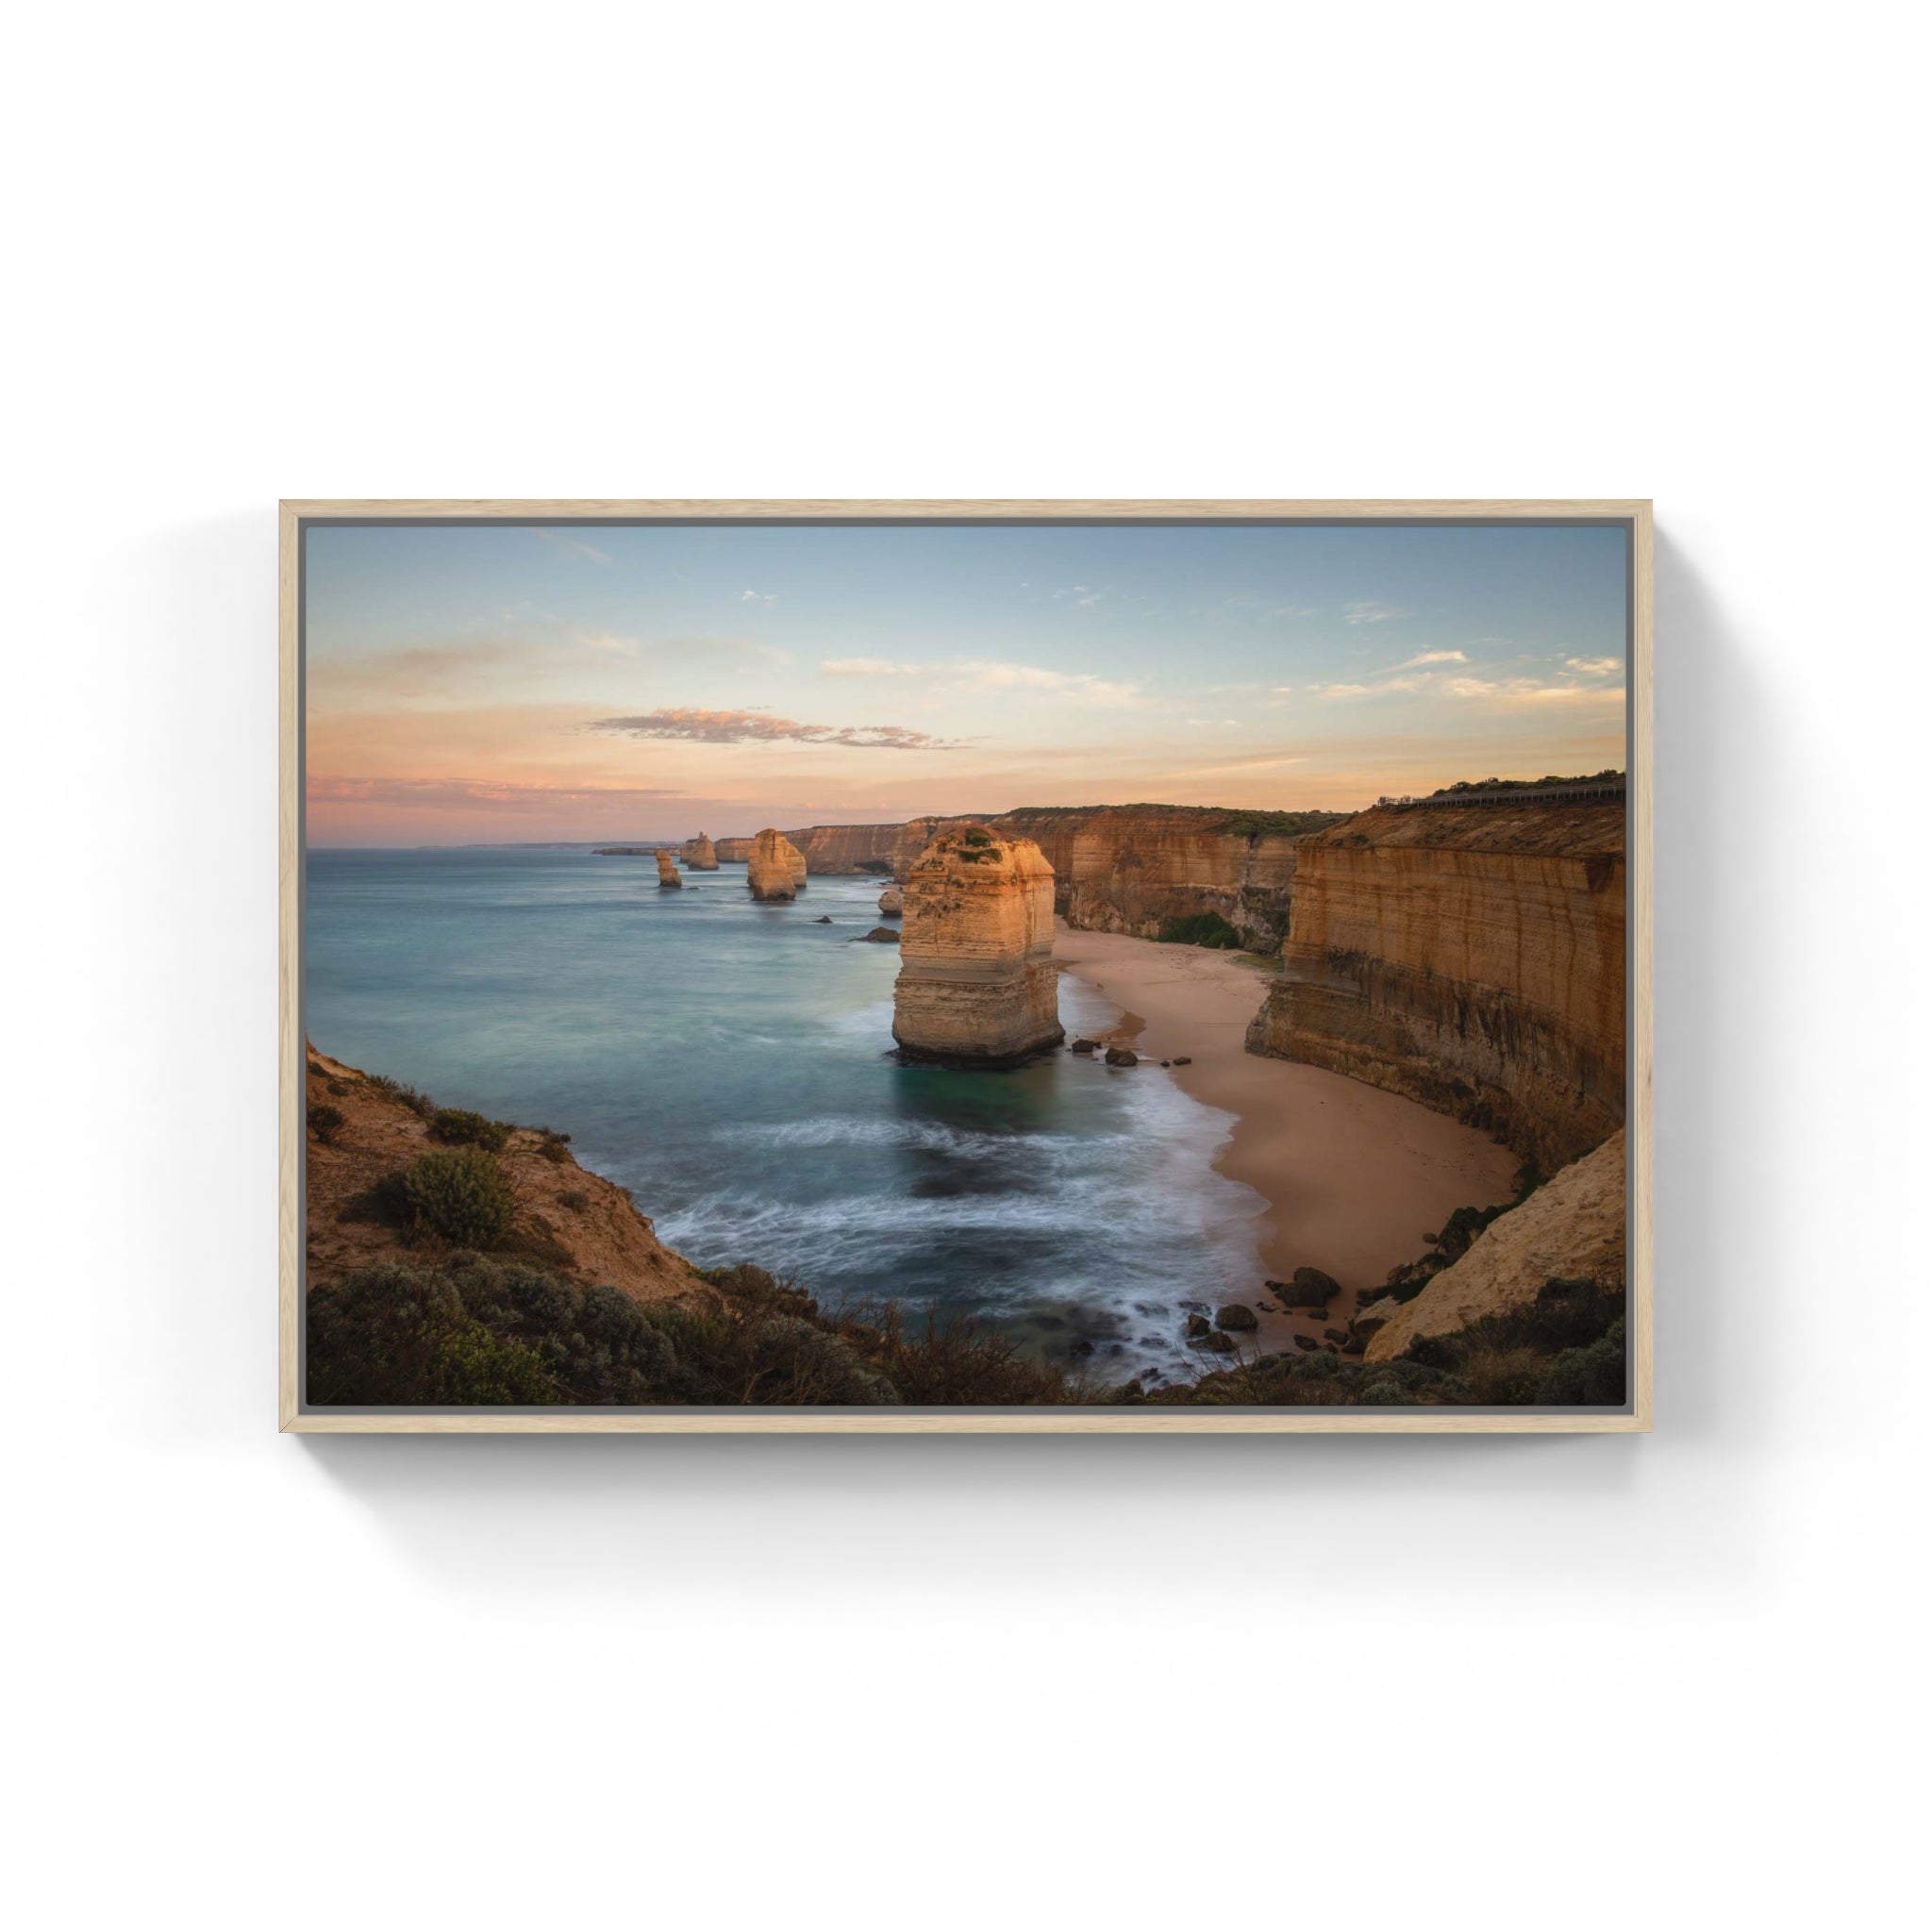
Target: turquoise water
pixel 731 1064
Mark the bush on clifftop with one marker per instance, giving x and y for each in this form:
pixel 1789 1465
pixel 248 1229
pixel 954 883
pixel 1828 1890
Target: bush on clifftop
pixel 461 1194
pixel 462 1129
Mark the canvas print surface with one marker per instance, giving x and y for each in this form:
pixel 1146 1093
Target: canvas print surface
pixel 965 965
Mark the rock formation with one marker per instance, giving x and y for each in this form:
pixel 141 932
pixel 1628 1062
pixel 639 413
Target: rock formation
pixel 891 904
pixel 1126 868
pixel 1570 1231
pixel 700 855
pixel 976 979
pixel 668 874
pixel 1131 869
pixel 1470 959
pixel 733 851
pixel 777 871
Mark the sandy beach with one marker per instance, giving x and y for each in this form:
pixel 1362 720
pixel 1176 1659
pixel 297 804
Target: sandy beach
pixel 1353 1178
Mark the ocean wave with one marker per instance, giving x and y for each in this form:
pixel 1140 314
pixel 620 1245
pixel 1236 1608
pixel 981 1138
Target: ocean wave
pixel 928 1135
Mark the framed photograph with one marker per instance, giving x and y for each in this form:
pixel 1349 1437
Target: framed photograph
pixel 896 966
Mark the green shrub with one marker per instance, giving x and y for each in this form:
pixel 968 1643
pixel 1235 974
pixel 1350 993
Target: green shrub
pixel 415 1100
pixel 461 1194
pixel 1592 1376
pixel 462 1129
pixel 326 1122
pixel 1200 929
pixel 393 1335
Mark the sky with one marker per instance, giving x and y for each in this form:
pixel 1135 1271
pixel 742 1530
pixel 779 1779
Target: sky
pixel 517 682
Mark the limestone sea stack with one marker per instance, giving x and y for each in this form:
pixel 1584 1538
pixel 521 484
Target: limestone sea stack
pixel 700 855
pixel 976 983
pixel 668 874
pixel 891 904
pixel 776 870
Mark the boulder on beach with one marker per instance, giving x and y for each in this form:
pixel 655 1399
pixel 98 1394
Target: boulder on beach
pixel 1309 1286
pixel 1237 1315
pixel 1307 1341
pixel 1085 1046
pixel 1184 1060
pixel 1215 1342
pixel 1121 1056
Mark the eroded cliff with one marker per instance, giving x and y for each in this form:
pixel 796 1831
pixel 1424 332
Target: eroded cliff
pixel 1472 959
pixel 976 979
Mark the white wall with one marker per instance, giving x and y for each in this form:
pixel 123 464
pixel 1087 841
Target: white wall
pixel 270 1681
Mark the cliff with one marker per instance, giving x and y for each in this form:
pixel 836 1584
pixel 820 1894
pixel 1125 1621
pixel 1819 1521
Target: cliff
pixel 700 855
pixel 1127 868
pixel 733 851
pixel 976 979
pixel 1472 960
pixel 776 866
pixel 566 1219
pixel 1132 868
pixel 1571 1230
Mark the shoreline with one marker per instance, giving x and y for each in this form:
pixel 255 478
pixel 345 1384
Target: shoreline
pixel 1350 1177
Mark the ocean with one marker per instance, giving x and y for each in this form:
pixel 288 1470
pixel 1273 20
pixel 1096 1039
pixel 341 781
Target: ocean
pixel 731 1064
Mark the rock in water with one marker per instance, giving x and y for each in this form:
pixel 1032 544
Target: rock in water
pixel 977 977
pixel 891 904
pixel 881 936
pixel 1121 1056
pixel 668 874
pixel 700 855
pixel 775 871
pixel 1237 1315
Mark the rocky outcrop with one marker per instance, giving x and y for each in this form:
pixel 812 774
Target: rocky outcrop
pixel 1472 960
pixel 668 874
pixel 733 851
pixel 976 981
pixel 567 1218
pixel 776 869
pixel 700 855
pixel 1568 1232
pixel 891 904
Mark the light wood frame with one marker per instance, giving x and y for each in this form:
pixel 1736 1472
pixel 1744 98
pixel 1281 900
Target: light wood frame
pixel 1635 514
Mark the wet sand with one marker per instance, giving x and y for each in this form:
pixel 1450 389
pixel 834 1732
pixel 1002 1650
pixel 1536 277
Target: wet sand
pixel 1353 1178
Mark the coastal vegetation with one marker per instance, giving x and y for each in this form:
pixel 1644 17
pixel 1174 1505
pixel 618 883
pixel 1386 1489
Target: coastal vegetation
pixel 471 1330
pixel 1200 929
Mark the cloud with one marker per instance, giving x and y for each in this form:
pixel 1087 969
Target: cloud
pixel 1433 658
pixel 564 540
pixel 1593 667
pixel 432 795
pixel 1528 693
pixel 1381 687
pixel 761 727
pixel 1094 598
pixel 987 674
pixel 1371 612
pixel 867 667
pixel 758 596
pixel 1245 765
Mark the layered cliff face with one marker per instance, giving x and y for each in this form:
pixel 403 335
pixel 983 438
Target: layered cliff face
pixel 776 870
pixel 976 979
pixel 1570 1230
pixel 1472 960
pixel 668 874
pixel 733 851
pixel 846 849
pixel 1132 868
pixel 700 855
